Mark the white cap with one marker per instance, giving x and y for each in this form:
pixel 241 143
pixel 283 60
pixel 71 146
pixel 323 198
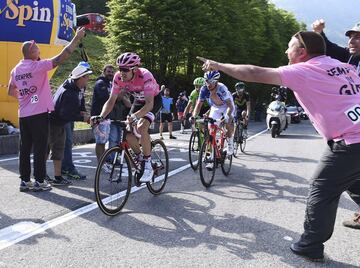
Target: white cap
pixel 80 71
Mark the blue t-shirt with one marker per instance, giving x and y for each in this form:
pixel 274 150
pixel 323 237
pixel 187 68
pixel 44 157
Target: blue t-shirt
pixel 166 105
pixel 221 91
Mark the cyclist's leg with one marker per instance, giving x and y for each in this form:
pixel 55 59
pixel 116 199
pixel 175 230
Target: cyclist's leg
pixel 245 118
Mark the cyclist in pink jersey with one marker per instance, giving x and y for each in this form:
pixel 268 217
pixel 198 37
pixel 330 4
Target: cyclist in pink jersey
pixel 329 91
pixel 140 83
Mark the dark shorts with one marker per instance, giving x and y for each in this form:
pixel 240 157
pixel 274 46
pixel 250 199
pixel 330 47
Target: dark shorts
pixel 56 142
pixel 155 110
pixel 165 117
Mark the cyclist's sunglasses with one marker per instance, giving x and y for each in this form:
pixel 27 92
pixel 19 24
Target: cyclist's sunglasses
pixel 125 70
pixel 212 82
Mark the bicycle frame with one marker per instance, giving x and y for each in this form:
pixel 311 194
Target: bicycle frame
pixel 213 129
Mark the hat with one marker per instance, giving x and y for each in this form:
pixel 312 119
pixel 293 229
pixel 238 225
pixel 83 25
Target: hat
pixel 181 94
pixel 356 29
pixel 82 69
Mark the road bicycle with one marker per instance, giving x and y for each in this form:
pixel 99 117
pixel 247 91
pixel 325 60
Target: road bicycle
pixel 117 166
pixel 195 142
pixel 212 152
pixel 240 136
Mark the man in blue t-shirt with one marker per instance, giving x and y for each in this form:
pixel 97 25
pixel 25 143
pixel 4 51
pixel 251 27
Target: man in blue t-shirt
pixel 166 113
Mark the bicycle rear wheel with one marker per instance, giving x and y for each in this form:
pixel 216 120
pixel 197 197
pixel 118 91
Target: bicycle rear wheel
pixel 113 181
pixel 207 163
pixel 160 164
pixel 194 149
pixel 226 162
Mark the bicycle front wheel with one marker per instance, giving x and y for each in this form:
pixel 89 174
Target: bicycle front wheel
pixel 236 140
pixel 226 162
pixel 160 164
pixel 243 138
pixel 207 163
pixel 194 149
pixel 113 181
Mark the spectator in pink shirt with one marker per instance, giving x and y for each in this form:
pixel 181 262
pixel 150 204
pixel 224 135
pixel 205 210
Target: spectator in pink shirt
pixel 329 92
pixel 29 83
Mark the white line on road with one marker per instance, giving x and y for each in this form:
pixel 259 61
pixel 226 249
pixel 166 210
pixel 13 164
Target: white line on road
pixel 21 231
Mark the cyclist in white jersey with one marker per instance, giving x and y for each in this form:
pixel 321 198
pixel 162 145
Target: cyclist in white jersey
pixel 222 104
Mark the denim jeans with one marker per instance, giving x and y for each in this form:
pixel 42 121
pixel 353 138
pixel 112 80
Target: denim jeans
pixel 67 162
pixel 114 136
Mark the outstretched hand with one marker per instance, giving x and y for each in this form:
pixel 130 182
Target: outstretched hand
pixel 209 65
pixel 318 25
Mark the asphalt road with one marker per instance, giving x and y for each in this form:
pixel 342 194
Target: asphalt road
pixel 247 219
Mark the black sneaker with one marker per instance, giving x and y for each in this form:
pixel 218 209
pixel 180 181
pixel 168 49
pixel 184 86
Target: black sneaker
pixel 312 254
pixel 60 181
pixel 73 175
pixel 172 137
pixel 49 179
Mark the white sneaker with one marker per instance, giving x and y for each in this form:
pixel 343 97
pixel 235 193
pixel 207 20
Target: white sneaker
pixel 230 147
pixel 106 168
pixel 209 166
pixel 148 172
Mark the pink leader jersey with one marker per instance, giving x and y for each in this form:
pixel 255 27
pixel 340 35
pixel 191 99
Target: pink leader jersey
pixel 32 83
pixel 329 91
pixel 143 84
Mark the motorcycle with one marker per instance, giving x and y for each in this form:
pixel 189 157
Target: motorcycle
pixel 276 119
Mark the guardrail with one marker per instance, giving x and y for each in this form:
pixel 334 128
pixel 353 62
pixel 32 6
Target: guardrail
pixel 9 144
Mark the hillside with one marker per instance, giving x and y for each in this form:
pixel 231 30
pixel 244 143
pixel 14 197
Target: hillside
pixel 95 48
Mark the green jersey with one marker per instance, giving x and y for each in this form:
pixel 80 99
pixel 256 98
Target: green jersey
pixel 194 96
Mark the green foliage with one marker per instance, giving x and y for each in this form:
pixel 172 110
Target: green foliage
pixel 98 6
pixel 169 34
pixel 95 49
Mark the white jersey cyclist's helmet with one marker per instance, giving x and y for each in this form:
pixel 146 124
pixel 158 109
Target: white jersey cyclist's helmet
pixel 212 77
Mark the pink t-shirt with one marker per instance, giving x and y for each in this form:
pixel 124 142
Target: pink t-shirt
pixel 143 84
pixel 329 91
pixel 32 83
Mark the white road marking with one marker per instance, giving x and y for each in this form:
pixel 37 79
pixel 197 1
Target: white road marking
pixel 21 231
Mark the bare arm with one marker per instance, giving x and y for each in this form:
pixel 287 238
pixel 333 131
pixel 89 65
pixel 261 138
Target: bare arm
pixel 248 106
pixel 249 73
pixel 66 52
pixel 197 108
pixel 187 108
pixel 12 90
pixel 230 108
